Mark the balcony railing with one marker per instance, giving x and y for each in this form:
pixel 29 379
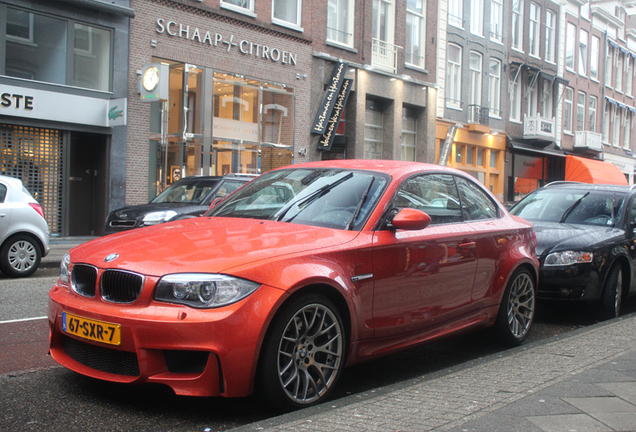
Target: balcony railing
pixel 587 140
pixel 385 55
pixel 538 127
pixel 479 114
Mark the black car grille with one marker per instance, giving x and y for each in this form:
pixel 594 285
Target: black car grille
pixel 121 286
pixel 83 279
pixel 101 358
pixel 122 223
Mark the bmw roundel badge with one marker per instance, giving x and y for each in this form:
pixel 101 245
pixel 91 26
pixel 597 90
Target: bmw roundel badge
pixel 111 257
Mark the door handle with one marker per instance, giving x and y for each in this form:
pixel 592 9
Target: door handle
pixel 468 245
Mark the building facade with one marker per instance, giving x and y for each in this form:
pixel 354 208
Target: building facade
pixel 63 86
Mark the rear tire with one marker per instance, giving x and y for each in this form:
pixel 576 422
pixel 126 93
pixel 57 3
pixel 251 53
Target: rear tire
pixel 516 313
pixel 303 354
pixel 612 295
pixel 20 256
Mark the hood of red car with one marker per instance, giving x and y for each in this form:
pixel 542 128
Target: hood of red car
pixel 211 245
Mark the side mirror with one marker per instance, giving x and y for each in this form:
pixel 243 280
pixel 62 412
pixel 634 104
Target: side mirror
pixel 411 219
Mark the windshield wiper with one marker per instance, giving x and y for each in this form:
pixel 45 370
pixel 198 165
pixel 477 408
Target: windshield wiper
pixel 312 197
pixel 567 212
pixel 362 201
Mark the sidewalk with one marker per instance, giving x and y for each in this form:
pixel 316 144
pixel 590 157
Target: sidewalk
pixel 582 381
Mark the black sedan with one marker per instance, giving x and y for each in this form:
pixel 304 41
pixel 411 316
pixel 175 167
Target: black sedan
pixel 586 242
pixel 186 198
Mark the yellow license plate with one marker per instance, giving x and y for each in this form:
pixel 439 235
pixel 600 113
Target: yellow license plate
pixel 94 330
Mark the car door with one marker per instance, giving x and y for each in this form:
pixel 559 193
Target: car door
pixel 5 209
pixel 423 278
pixel 493 238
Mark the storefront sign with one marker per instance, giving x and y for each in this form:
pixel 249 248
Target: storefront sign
pixel 528 167
pixel 61 107
pixel 330 131
pixel 228 42
pixel 444 152
pixel 234 129
pixel 329 99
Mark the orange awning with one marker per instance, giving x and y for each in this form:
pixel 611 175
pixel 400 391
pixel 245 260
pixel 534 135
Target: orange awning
pixel 592 171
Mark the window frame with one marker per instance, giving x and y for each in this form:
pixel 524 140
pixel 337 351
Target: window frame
pixel 550 36
pixel 477 19
pixel 348 31
pixel 516 26
pixel 284 23
pixel 580 111
pixel 583 49
pixel 456 88
pixel 421 17
pixel 494 89
pixel 474 82
pixel 570 46
pixel 496 21
pixel 249 11
pixel 567 112
pixel 515 101
pixel 592 112
pixel 455 13
pixel 619 72
pixel 595 49
pixel 534 26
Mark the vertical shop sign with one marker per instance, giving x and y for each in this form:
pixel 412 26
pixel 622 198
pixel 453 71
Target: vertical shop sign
pixel 332 124
pixel 329 99
pixel 444 152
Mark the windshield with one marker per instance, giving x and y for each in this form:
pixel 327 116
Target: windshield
pixel 192 192
pixel 333 198
pixel 600 208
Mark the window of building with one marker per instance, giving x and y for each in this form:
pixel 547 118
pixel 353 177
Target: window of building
pixel 583 52
pixel 36 48
pixel 616 125
pixel 609 60
pixel 474 90
pixel 584 11
pixel 383 11
pixel 455 13
pixel 517 24
pixel 591 122
pixel 496 21
pixel 494 85
pixel 533 29
pixel 619 72
pixel 531 95
pixel 546 99
pixel 606 122
pixel 580 112
pixel 594 57
pixel 627 125
pixel 515 100
pixel 477 17
pixel 340 15
pixel 415 33
pixel 287 13
pixel 569 47
pixel 373 130
pixel 453 76
pixel 409 134
pixel 550 36
pixel 242 6
pixel 629 75
pixel 567 109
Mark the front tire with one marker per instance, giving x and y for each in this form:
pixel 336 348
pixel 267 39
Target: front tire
pixel 20 256
pixel 303 354
pixel 612 296
pixel 516 312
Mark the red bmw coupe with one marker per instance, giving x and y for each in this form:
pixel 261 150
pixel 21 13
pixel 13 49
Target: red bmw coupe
pixel 301 272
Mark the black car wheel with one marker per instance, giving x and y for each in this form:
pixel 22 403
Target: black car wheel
pixel 612 294
pixel 303 354
pixel 20 256
pixel 516 312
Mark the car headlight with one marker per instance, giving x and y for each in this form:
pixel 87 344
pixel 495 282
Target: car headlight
pixel 65 265
pixel 156 218
pixel 568 258
pixel 203 291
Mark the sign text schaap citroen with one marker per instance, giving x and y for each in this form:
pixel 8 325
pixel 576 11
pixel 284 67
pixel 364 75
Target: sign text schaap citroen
pixel 228 42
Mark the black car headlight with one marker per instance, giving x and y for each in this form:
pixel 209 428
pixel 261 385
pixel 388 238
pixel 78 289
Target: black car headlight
pixel 200 290
pixel 568 258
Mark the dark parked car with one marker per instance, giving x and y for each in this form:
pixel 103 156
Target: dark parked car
pixel 585 242
pixel 186 198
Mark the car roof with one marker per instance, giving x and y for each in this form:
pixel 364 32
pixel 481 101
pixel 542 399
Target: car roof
pixel 391 167
pixel 16 182
pixel 588 186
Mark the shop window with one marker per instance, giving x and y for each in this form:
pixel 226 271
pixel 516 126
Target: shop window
pixel 35 47
pixel 287 13
pixel 340 16
pixel 373 130
pixel 470 151
pixel 409 134
pixel 278 119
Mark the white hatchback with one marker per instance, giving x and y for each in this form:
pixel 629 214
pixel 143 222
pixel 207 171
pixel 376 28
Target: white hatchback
pixel 24 233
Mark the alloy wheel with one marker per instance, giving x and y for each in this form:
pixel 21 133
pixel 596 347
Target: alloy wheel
pixel 521 305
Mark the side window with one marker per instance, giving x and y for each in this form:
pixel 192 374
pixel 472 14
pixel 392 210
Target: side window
pixel 3 192
pixel 434 194
pixel 476 202
pixel 227 188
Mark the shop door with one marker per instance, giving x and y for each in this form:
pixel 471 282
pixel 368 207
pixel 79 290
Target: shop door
pixel 87 185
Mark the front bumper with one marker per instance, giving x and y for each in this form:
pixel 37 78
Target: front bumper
pixel 580 282
pixel 196 352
